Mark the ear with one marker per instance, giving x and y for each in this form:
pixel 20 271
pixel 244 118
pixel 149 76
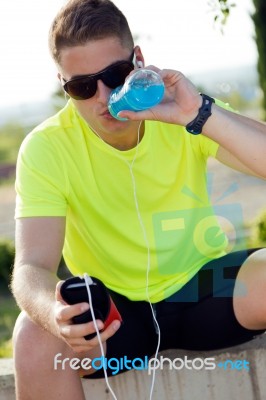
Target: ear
pixel 139 57
pixel 59 76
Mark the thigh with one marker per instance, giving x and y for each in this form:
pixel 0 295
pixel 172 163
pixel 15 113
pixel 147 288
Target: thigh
pixel 206 319
pixel 250 292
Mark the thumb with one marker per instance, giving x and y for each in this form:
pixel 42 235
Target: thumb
pixel 132 115
pixel 143 115
pixel 58 296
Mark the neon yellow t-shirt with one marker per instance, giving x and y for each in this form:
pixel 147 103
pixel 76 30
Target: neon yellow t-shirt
pixel 64 169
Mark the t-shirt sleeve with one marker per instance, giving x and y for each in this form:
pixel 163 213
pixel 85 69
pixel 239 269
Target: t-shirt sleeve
pixel 41 183
pixel 208 146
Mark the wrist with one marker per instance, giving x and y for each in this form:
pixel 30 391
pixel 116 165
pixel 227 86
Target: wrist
pixel 204 112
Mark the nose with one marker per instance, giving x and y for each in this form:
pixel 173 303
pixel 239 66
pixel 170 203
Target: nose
pixel 103 92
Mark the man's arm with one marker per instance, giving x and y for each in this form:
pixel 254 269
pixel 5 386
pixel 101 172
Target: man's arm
pixel 39 243
pixel 242 137
pixel 226 158
pixel 242 141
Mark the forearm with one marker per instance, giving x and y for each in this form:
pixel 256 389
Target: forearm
pixel 34 291
pixel 243 137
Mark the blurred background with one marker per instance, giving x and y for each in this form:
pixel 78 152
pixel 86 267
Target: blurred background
pixel 219 44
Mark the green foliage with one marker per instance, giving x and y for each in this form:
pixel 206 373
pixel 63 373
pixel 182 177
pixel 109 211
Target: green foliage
pixel 221 10
pixel 8 315
pixel 6 350
pixel 259 18
pixel 261 228
pixel 7 255
pixel 258 231
pixel 11 136
pixel 225 7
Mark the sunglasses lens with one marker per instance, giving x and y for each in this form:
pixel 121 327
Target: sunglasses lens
pixel 81 89
pixel 115 76
pixel 85 88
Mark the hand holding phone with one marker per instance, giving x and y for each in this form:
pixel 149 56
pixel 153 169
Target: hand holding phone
pixel 74 291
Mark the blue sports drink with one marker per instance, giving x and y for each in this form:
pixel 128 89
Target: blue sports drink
pixel 144 89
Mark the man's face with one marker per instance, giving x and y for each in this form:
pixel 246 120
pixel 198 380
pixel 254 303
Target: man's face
pixel 90 59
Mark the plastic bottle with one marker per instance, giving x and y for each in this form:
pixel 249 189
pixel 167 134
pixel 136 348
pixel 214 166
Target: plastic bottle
pixel 143 89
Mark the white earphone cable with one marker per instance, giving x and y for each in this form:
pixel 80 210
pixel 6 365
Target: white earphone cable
pixel 86 278
pixel 144 232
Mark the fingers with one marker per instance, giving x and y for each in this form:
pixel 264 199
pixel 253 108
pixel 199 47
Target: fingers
pixel 109 331
pixel 74 335
pixel 80 330
pixel 65 312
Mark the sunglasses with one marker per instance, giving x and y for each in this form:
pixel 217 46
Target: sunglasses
pixel 85 86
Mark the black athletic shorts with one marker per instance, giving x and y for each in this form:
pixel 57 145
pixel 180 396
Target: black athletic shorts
pixel 198 317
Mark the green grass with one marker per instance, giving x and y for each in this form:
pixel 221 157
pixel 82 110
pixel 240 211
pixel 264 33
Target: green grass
pixel 8 314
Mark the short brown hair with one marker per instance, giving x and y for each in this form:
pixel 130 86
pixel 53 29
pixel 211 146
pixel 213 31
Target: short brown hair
pixel 80 21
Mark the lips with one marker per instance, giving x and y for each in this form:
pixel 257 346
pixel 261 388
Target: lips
pixel 106 114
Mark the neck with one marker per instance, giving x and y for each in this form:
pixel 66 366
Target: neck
pixel 126 140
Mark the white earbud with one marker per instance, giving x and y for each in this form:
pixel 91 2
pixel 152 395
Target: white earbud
pixel 140 64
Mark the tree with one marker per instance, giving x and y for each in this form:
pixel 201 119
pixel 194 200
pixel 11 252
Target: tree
pixel 222 12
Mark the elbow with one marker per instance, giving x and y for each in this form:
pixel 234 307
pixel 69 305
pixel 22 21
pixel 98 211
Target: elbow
pixel 15 281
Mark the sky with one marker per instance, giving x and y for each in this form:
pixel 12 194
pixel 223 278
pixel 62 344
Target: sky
pixel 177 34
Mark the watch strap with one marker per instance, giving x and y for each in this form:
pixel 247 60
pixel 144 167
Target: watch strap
pixel 195 126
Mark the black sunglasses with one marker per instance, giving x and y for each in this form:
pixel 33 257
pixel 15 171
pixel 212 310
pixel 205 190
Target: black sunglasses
pixel 84 87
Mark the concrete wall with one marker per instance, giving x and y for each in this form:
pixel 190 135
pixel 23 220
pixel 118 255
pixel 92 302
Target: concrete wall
pixel 216 384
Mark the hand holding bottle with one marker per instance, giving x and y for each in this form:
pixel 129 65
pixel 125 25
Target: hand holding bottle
pixel 180 103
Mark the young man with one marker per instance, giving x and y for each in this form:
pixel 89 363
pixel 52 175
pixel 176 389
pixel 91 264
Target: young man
pixel 110 194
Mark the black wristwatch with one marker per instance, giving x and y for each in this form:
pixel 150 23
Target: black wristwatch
pixel 195 126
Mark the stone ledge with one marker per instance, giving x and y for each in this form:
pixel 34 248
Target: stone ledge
pixel 7 382
pixel 218 384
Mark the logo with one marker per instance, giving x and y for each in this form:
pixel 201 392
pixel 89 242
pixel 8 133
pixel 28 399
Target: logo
pixel 117 365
